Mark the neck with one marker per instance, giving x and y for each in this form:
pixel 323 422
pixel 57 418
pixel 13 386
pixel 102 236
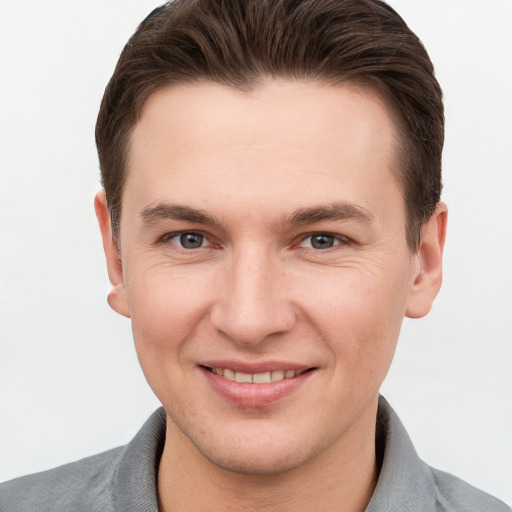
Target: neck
pixel 342 478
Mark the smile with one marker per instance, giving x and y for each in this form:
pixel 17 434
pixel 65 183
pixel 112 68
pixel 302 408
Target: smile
pixel 256 378
pixel 258 388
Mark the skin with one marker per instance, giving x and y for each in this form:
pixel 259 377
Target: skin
pixel 268 171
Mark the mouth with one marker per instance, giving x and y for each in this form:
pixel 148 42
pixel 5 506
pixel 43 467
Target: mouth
pixel 256 378
pixel 256 388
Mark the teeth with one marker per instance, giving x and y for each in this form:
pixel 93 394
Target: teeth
pixel 262 378
pixel 243 377
pixel 257 378
pixel 229 374
pixel 277 375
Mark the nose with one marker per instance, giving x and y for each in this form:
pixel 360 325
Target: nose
pixel 252 304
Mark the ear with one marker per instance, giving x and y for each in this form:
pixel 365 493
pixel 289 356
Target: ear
pixel 117 299
pixel 429 270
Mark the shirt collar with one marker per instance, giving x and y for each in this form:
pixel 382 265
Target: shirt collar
pixel 135 481
pixel 405 482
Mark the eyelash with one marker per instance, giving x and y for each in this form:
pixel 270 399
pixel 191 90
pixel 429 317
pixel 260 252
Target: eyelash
pixel 169 236
pixel 337 240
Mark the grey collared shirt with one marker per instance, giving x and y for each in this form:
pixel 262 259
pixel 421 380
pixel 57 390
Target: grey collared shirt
pixel 124 479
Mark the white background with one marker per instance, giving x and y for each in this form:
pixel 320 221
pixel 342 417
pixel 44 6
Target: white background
pixel 70 384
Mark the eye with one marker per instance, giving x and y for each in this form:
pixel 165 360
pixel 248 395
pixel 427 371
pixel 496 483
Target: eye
pixel 320 241
pixel 188 240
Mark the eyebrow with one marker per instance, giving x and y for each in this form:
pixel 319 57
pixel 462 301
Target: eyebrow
pixel 339 210
pixel 153 214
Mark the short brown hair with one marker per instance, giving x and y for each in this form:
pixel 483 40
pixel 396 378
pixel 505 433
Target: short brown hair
pixel 239 43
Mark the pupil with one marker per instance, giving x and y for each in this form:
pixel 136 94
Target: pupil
pixel 191 240
pixel 322 241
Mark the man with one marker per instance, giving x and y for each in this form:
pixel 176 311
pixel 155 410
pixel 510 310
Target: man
pixel 271 213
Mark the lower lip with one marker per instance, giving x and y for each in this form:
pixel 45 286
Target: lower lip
pixel 255 395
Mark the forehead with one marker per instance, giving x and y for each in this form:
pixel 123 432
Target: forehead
pixel 284 135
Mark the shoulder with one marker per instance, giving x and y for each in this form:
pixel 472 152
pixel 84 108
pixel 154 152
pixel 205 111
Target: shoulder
pixel 406 482
pixel 122 479
pixel 455 495
pixel 82 485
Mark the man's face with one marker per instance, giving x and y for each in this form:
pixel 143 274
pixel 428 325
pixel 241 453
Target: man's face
pixel 263 238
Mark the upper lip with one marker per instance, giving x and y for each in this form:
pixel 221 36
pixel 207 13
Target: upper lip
pixel 256 367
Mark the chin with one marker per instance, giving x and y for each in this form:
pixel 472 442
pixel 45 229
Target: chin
pixel 263 453
pixel 263 463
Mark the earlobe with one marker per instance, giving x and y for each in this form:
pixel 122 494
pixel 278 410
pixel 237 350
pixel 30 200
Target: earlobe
pixel 117 299
pixel 428 278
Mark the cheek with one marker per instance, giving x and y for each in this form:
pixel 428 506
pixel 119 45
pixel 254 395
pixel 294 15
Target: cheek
pixel 167 308
pixel 166 298
pixel 359 315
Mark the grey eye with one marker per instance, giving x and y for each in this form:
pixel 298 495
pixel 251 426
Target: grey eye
pixel 322 241
pixel 191 240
